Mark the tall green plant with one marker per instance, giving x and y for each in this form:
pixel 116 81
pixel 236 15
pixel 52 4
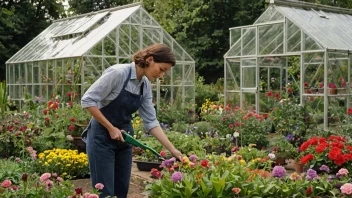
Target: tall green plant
pixel 3 99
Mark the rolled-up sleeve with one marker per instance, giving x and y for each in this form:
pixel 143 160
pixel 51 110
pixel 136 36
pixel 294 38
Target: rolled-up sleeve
pixel 101 88
pixel 147 111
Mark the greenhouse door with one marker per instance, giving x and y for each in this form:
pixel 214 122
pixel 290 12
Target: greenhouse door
pixel 249 87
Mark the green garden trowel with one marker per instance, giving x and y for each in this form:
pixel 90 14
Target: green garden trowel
pixel 129 139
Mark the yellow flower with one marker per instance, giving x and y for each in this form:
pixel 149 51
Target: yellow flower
pixel 252 145
pixel 243 162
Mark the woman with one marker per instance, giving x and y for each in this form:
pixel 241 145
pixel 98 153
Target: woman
pixel 111 100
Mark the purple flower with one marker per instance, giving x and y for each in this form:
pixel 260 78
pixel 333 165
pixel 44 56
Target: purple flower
pixel 193 158
pixel 167 163
pixel 176 177
pixel 289 137
pixel 311 174
pixel 324 168
pixel 279 172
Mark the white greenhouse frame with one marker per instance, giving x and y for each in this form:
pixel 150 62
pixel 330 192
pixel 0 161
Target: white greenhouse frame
pixel 72 53
pixel 320 36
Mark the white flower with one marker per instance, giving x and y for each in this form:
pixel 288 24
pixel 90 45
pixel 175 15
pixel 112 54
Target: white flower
pixel 236 134
pixel 69 137
pixel 271 155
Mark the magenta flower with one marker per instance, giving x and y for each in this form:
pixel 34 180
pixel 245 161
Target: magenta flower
pixel 176 177
pixel 346 189
pixel 279 172
pixel 6 183
pixel 193 158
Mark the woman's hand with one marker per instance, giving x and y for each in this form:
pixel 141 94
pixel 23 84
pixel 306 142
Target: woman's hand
pixel 116 134
pixel 176 153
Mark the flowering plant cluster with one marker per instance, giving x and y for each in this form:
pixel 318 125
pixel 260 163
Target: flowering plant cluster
pixel 47 185
pixel 67 163
pixel 333 152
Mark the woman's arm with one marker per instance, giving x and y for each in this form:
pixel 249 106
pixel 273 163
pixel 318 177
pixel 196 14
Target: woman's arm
pixel 159 134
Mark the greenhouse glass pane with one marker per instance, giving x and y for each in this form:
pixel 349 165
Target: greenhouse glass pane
pixel 124 40
pixel 316 104
pixel 51 71
pixel 147 19
pixel 44 92
pixel 249 40
pixel 338 73
pixel 178 51
pixel 135 18
pixel 22 79
pixel 235 49
pixel 43 72
pixel 76 71
pixel 248 101
pixel 177 74
pixel 36 90
pixel 337 110
pixel 36 76
pixel 272 62
pixel 233 98
pixel 12 73
pixel 270 14
pixel 135 38
pixel 189 94
pixel 97 49
pixel 350 66
pixel 310 44
pixel 29 72
pixel 271 39
pixel 249 62
pixel 110 45
pixel 151 36
pixel 166 80
pixel 110 62
pixel 29 90
pixel 189 74
pixel 52 92
pixel 235 34
pixel 293 37
pixel 249 77
pixel 177 94
pixel 165 94
pixel 233 75
pixel 17 73
pixel 313 73
pixel 167 39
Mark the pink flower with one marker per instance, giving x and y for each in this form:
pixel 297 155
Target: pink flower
pixel 346 189
pixel 45 177
pixel 59 179
pixel 99 186
pixel 342 172
pixel 6 183
pixel 93 196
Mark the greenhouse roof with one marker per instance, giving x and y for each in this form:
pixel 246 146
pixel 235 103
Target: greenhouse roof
pixel 330 26
pixel 74 36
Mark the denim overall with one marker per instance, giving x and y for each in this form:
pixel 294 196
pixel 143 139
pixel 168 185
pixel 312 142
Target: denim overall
pixel 110 161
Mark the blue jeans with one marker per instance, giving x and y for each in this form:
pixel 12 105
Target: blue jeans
pixel 110 161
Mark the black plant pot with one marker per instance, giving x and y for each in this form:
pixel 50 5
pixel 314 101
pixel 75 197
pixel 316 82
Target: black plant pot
pixel 147 166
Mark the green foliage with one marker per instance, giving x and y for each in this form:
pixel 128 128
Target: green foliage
pixel 12 171
pixel 3 99
pixel 206 91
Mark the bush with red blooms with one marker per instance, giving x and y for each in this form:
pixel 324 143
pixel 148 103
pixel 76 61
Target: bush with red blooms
pixel 333 152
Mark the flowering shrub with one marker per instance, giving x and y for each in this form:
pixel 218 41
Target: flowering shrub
pixel 67 163
pixel 218 176
pixel 333 152
pixel 47 185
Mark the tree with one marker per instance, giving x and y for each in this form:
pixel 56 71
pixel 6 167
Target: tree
pixel 21 21
pixel 203 29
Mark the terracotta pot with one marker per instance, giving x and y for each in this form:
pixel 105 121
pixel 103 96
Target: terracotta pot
pixel 333 91
pixel 298 167
pixel 280 161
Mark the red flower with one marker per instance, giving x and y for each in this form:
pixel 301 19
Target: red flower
pixel 268 94
pixel 349 111
pixel 321 148
pixel 289 90
pixel 73 119
pixel 231 126
pixel 307 158
pixel 236 190
pixel 309 190
pixel 306 84
pixel 71 127
pixel 204 163
pixel 162 153
pixel 339 160
pixel 78 191
pixel 53 105
pixel 45 111
pixel 334 153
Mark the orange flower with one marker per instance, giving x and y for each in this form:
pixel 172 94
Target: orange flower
pixel 236 190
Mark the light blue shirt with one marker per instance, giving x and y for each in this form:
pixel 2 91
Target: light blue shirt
pixel 109 86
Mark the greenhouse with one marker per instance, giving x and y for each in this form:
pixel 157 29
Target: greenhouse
pixel 68 56
pixel 293 48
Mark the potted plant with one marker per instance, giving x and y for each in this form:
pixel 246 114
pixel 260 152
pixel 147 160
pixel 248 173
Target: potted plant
pixel 282 149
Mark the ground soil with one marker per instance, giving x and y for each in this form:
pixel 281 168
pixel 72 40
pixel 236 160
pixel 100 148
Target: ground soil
pixel 135 191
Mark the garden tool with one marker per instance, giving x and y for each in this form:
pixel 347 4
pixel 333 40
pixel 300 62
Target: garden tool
pixel 129 139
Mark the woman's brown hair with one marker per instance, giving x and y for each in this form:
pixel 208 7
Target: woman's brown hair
pixel 161 53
